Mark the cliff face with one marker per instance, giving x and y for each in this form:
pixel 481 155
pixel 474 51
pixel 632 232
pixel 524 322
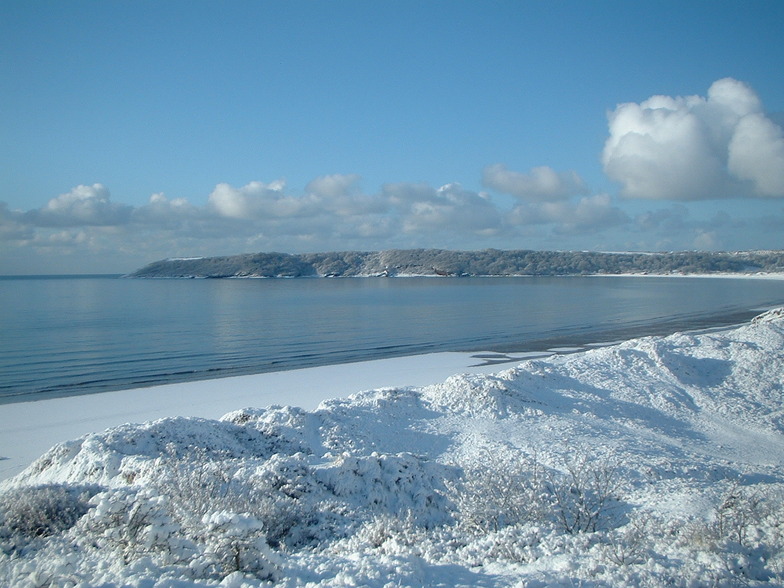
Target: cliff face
pixel 439 262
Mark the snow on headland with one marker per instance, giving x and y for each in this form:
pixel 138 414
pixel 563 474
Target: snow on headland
pixel 656 461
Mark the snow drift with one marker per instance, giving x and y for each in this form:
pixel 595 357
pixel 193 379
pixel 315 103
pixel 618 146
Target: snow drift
pixel 656 461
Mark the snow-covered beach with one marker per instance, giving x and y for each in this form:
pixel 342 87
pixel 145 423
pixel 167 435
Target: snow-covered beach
pixel 28 429
pixel 654 461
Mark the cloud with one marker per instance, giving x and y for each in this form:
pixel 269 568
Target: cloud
pixel 678 227
pixel 82 206
pixel 339 194
pixel 756 154
pixel 333 186
pixel 254 200
pixel 68 238
pixel 695 148
pixel 707 241
pixel 334 194
pixel 160 211
pixel 541 184
pixel 670 219
pixel 589 214
pixel 331 214
pixel 423 209
pixel 11 227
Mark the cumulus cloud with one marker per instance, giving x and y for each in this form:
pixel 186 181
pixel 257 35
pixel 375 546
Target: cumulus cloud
pixel 339 194
pixel 335 194
pixel 587 215
pixel 83 205
pixel 164 212
pixel 756 154
pixel 253 200
pixel 540 184
pixel 11 227
pixel 68 238
pixel 707 241
pixel 696 148
pixel 677 227
pixel 332 213
pixel 334 185
pixel 451 208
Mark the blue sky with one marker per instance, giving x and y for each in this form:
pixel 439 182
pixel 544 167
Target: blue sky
pixel 133 131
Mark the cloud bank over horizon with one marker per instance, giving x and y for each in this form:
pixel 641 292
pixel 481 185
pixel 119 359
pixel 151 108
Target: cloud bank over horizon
pixel 680 149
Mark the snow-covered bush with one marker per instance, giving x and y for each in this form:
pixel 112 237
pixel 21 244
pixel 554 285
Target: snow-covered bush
pixel 392 534
pixel 507 487
pixel 133 524
pixel 269 490
pixel 738 510
pixel 384 483
pixel 27 513
pixel 201 484
pixel 234 543
pixel 502 487
pixel 584 494
pixel 513 544
pixel 631 543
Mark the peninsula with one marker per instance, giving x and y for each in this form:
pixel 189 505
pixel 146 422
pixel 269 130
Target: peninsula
pixel 441 262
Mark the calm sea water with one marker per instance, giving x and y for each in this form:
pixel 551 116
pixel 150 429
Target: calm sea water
pixel 76 335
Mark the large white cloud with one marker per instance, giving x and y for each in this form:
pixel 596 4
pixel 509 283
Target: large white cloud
pixel 695 148
pixel 756 154
pixel 541 184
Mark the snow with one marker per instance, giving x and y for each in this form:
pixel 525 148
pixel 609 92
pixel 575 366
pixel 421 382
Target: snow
pixel 654 461
pixel 28 429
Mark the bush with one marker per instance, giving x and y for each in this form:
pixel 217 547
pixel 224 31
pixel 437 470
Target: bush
pixel 737 511
pixel 235 543
pixel 505 488
pixel 32 512
pixel 510 488
pixel 584 495
pixel 271 493
pixel 630 544
pixel 134 524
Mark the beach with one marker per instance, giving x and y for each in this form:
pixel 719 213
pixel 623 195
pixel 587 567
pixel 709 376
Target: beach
pixel 28 429
pixel 652 461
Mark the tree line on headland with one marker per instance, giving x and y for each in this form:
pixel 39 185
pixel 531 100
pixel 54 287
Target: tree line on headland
pixel 441 262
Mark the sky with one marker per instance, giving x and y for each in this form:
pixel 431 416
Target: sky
pixel 132 131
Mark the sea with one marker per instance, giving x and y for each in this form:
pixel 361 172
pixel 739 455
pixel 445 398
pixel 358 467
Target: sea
pixel 72 335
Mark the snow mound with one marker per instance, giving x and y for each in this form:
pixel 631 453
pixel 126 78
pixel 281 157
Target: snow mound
pixel 656 461
pixel 774 314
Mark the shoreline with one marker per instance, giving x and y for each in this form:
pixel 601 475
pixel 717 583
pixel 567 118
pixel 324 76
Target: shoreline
pixel 729 275
pixel 30 428
pixel 404 276
pixel 657 422
pixel 555 343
